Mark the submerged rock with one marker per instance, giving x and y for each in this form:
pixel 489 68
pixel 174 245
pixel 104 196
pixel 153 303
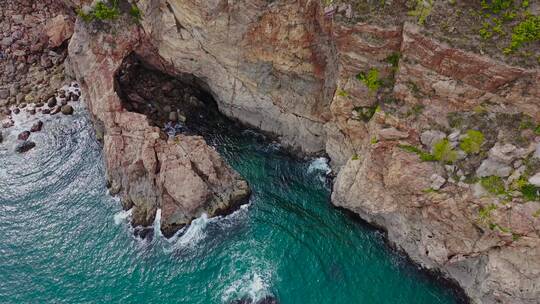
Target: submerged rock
pixel 23 135
pixel 25 146
pixel 36 127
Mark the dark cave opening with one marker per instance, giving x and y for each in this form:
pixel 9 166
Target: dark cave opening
pixel 176 104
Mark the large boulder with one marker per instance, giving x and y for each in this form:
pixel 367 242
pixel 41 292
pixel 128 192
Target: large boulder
pixel 58 30
pixel 25 146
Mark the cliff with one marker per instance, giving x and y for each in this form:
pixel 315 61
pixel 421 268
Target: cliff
pixel 435 141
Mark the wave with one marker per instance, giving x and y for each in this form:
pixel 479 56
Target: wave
pixel 319 165
pixel 157 224
pixel 122 216
pixel 253 287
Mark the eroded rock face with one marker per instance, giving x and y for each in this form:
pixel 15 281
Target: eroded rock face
pixel 182 175
pixel 286 68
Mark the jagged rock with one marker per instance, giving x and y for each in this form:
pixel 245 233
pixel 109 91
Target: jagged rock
pixel 505 153
pixel 67 110
pixel 430 137
pixel 437 181
pixel 535 179
pixel 491 167
pixel 36 127
pixel 25 146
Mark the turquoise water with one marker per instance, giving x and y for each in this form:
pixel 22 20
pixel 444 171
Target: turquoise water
pixel 64 240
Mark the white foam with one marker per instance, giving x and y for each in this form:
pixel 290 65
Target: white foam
pixel 157 224
pixel 122 216
pixel 319 164
pixel 252 286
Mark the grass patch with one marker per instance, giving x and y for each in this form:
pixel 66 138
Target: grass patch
pixel 493 185
pixel 472 142
pixel 422 9
pixel 101 11
pixel 370 79
pixel 484 214
pixel 423 155
pixel 530 192
pixel 525 32
pixel 135 12
pixel 443 152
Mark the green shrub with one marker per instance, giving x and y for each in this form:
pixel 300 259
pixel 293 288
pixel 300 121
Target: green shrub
pixel 371 79
pixel 493 185
pixel 342 93
pixel 443 152
pixel 496 6
pixel 135 12
pixel 393 59
pixel 472 142
pixel 484 214
pixel 422 10
pixel 525 32
pixel 101 11
pixel 530 192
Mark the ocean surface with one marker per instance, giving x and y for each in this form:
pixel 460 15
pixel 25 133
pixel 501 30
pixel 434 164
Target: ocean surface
pixel 63 239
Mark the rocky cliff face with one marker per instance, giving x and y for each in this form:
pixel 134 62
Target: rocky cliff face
pixel 436 144
pixel 182 175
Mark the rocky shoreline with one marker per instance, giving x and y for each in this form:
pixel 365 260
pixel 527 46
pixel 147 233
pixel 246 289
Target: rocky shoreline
pixel 438 144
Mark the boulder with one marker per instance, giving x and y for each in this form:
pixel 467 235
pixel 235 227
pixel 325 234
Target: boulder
pixel 505 153
pixel 67 110
pixel 25 146
pixel 490 167
pixel 437 181
pixel 23 135
pixel 59 29
pixel 51 102
pixel 535 179
pixel 36 127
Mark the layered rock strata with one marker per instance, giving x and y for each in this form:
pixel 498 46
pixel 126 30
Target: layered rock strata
pixel 390 105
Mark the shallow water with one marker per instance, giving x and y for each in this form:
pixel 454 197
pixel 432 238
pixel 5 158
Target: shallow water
pixel 65 240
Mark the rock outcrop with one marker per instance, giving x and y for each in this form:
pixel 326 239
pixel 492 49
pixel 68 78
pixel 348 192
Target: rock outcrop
pixel 363 92
pixel 182 175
